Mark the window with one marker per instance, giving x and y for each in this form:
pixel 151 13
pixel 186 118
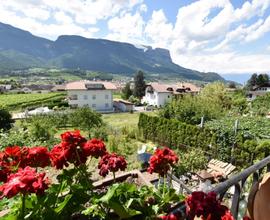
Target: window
pixel 106 105
pixel 86 105
pixel 94 97
pixel 85 97
pixel 168 96
pixel 73 97
pixel 94 105
pixel 106 96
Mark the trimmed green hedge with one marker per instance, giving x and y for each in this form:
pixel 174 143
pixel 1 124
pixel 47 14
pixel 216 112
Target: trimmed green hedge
pixel 173 133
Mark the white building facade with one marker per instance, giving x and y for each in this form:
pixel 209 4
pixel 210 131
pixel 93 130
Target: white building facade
pixel 258 91
pixel 95 95
pixel 157 94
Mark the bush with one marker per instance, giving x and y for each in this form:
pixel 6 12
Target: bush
pixel 85 119
pixel 171 132
pixel 5 119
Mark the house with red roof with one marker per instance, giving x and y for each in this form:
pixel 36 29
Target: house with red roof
pixel 93 94
pixel 158 94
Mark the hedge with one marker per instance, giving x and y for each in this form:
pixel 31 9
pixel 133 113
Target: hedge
pixel 173 133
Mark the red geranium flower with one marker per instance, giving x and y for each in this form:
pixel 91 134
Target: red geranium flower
pixel 70 150
pixel 38 157
pixel 4 171
pixel 171 217
pixel 206 206
pixel 111 163
pixel 73 137
pixel 95 148
pixel 161 161
pixel 59 156
pixel 24 181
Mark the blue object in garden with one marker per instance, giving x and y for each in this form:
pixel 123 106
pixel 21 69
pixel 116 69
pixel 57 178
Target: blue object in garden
pixel 144 157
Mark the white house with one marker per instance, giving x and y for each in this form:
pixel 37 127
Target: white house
pixel 158 94
pixel 93 94
pixel 258 91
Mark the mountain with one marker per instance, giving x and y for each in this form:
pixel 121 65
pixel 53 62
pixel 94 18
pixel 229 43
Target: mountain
pixel 21 49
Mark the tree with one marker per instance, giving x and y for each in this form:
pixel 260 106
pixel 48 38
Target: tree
pixel 139 85
pixel 85 119
pixel 126 91
pixel 262 79
pixel 232 85
pixel 5 119
pixel 252 81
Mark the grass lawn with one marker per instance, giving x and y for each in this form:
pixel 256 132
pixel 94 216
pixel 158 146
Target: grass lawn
pixel 120 120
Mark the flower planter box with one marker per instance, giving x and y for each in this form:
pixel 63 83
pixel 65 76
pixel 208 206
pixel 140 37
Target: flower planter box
pixel 134 176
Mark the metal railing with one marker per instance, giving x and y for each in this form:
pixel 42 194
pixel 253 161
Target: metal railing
pixel 238 181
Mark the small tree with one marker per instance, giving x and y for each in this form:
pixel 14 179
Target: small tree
pixel 5 119
pixel 139 85
pixel 85 119
pixel 126 91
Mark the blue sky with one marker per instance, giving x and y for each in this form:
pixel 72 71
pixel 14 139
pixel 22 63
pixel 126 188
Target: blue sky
pixel 224 36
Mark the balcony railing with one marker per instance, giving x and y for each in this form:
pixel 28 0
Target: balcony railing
pixel 238 182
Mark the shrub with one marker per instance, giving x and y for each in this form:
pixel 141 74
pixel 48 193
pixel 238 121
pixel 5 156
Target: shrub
pixel 5 119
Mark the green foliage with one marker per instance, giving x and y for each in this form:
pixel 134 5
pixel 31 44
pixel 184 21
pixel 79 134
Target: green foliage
pixel 126 91
pixel 128 200
pixel 261 105
pixel 85 119
pixel 17 137
pixel 139 85
pixel 5 119
pixel 23 101
pixel 171 132
pixel 257 80
pixel 134 100
pixel 191 160
pixel 211 103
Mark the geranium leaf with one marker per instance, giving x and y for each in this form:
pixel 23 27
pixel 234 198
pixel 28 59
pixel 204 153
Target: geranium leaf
pixel 63 204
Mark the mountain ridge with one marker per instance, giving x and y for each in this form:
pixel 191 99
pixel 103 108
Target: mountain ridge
pixel 76 52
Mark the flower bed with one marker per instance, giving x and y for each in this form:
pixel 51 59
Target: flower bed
pixel 31 195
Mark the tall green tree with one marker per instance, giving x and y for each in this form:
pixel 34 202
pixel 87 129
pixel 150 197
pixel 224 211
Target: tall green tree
pixel 262 79
pixel 139 85
pixel 252 81
pixel 126 91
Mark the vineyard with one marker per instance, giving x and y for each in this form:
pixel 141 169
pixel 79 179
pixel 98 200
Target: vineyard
pixel 22 101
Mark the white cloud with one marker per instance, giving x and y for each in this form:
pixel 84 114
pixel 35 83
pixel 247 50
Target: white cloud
pixel 63 18
pixel 126 28
pixel 159 30
pixel 250 9
pixel 225 62
pixel 260 31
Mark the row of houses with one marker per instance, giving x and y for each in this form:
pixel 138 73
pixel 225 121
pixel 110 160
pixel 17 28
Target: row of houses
pixel 98 95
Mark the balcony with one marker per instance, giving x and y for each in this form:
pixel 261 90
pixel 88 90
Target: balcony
pixel 240 184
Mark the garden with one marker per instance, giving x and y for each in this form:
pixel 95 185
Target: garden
pixel 95 173
pixel 29 192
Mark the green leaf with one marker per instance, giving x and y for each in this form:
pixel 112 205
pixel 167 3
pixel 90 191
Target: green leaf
pixel 122 211
pixel 110 193
pixel 63 204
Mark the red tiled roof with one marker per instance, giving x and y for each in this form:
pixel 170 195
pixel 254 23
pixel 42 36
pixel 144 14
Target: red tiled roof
pixel 160 87
pixel 81 85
